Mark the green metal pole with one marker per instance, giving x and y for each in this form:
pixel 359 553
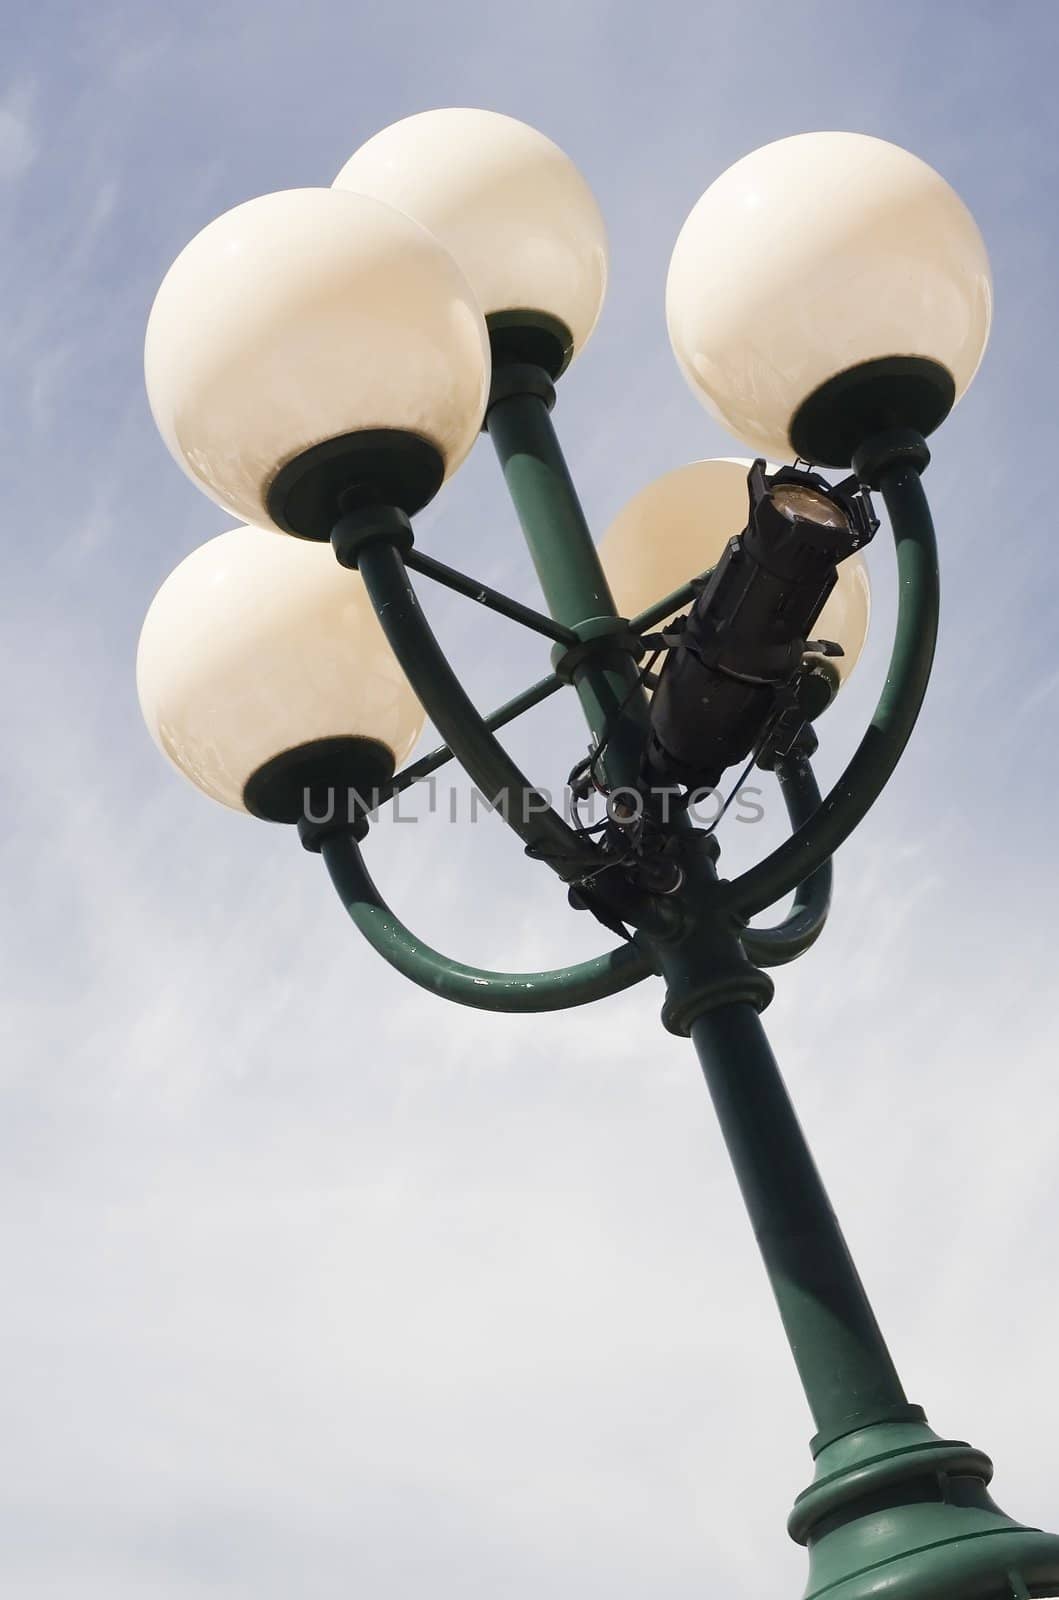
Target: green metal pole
pixel 546 501
pixel 892 1509
pixel 569 571
pixel 841 1356
pixel 713 990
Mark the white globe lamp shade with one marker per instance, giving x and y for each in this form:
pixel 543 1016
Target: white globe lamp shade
pixel 825 288
pixel 314 342
pixel 678 527
pixel 515 213
pixel 845 618
pixel 262 670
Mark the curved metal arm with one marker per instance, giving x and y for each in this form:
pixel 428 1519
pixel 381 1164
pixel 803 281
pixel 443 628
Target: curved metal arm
pixel 472 986
pixel 895 715
pixel 464 731
pixel 772 947
pixel 478 751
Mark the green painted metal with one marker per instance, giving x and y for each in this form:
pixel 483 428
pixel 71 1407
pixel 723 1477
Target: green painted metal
pixel 525 809
pixel 568 567
pixel 548 508
pixel 712 986
pixel 483 595
pixel 706 966
pixel 842 1359
pixel 893 1511
pixel 664 608
pixel 773 947
pixel 554 990
pixel 702 959
pixel 895 715
pixel 449 708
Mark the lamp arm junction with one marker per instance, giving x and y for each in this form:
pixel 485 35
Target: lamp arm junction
pixel 555 990
pixel 893 464
pixel 499 778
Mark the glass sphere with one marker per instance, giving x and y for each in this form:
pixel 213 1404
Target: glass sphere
pixel 257 645
pixel 809 258
pixel 507 202
pixel 302 317
pixel 679 526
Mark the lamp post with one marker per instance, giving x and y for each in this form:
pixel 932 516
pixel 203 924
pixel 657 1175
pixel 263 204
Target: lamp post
pixel 320 361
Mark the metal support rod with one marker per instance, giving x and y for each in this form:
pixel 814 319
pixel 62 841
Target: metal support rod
pixel 842 1359
pixel 664 608
pixel 416 771
pixel 492 599
pixel 570 574
pixel 895 715
pixel 554 990
pixel 448 706
pixel 772 947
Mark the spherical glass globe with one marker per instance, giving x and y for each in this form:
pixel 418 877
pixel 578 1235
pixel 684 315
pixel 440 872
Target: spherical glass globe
pixel 315 321
pixel 824 287
pixel 678 527
pixel 509 204
pixel 262 666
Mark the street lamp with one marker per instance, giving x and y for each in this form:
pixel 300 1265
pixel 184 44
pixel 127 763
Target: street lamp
pixel 320 361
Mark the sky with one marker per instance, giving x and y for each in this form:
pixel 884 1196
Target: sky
pixel 312 1284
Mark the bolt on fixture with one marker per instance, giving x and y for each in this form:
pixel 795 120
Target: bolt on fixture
pixel 320 362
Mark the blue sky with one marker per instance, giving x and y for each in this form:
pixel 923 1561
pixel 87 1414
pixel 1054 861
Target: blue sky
pixel 313 1285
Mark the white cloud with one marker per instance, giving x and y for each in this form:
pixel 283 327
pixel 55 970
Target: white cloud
pixel 18 139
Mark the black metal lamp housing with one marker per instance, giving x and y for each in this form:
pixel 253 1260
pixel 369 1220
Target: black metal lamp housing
pixel 734 664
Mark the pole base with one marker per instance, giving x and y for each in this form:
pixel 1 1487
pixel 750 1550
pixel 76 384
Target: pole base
pixel 896 1512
